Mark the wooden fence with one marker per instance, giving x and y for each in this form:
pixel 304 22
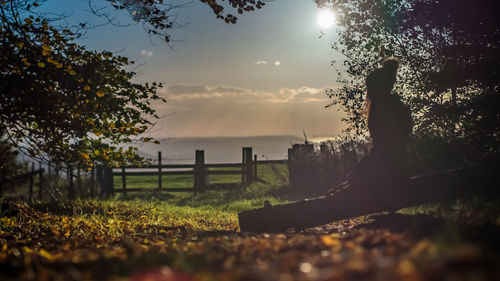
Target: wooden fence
pixel 27 176
pixel 100 180
pixel 199 170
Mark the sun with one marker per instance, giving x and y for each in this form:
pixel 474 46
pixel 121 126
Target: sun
pixel 326 18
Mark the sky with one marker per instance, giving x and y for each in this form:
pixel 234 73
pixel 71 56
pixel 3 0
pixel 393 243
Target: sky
pixel 265 75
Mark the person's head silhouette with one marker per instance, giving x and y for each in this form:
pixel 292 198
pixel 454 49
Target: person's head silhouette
pixel 381 80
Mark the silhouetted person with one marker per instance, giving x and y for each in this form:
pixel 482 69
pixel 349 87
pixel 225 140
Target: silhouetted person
pixel 384 171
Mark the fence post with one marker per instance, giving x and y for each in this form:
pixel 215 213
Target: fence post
pixel 92 182
pixel 71 190
pixel 255 176
pixel 40 181
pixel 247 166
pixel 30 198
pixel 199 171
pixel 109 186
pixel 159 170
pixel 124 182
pixel 100 181
pixel 56 170
pixel 291 170
pixel 105 180
pixel 243 161
pixel 78 179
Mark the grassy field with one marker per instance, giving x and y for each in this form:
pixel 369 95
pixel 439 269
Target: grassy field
pixel 214 203
pixel 179 236
pixel 270 173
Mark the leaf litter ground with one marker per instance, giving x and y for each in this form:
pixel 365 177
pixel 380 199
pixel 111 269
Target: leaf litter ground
pixel 122 242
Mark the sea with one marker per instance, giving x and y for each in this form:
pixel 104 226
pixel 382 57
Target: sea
pixel 221 149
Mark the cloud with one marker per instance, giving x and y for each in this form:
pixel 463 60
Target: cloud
pixel 302 94
pixel 182 91
pixel 220 89
pixel 224 110
pixel 261 62
pixel 187 89
pixel 241 95
pixel 277 63
pixel 147 53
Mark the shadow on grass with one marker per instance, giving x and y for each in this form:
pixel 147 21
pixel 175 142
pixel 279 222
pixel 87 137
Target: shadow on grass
pixel 240 198
pixel 444 230
pixel 152 195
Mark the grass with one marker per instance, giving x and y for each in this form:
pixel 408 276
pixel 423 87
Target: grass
pixel 197 235
pixel 272 186
pixel 208 211
pixel 270 173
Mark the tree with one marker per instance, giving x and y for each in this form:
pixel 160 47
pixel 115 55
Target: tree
pixel 61 102
pixel 450 52
pixel 159 17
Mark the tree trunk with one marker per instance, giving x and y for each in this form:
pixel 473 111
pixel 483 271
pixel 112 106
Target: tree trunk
pixel 350 203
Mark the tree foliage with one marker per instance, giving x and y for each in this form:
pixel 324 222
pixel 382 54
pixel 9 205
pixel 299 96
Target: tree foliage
pixel 159 17
pixel 62 102
pixel 450 52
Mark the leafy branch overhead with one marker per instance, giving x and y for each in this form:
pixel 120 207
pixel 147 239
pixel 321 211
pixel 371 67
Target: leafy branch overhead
pixel 450 56
pixel 159 17
pixel 62 102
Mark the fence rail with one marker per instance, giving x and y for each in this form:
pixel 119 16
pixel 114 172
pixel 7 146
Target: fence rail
pixel 199 170
pixel 100 180
pixel 30 175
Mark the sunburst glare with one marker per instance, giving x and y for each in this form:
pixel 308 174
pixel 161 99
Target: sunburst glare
pixel 326 18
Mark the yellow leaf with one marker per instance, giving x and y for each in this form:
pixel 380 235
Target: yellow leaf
pixel 77 115
pixel 66 233
pixel 45 254
pixel 86 88
pixel 46 47
pixel 112 125
pixel 147 139
pixel 72 72
pixel 406 267
pixel 27 250
pixel 96 152
pixel 159 243
pixel 28 21
pixel 41 64
pixel 4 247
pixel 100 94
pixel 329 241
pixel 86 156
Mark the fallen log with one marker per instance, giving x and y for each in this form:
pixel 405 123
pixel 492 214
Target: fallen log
pixel 349 203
